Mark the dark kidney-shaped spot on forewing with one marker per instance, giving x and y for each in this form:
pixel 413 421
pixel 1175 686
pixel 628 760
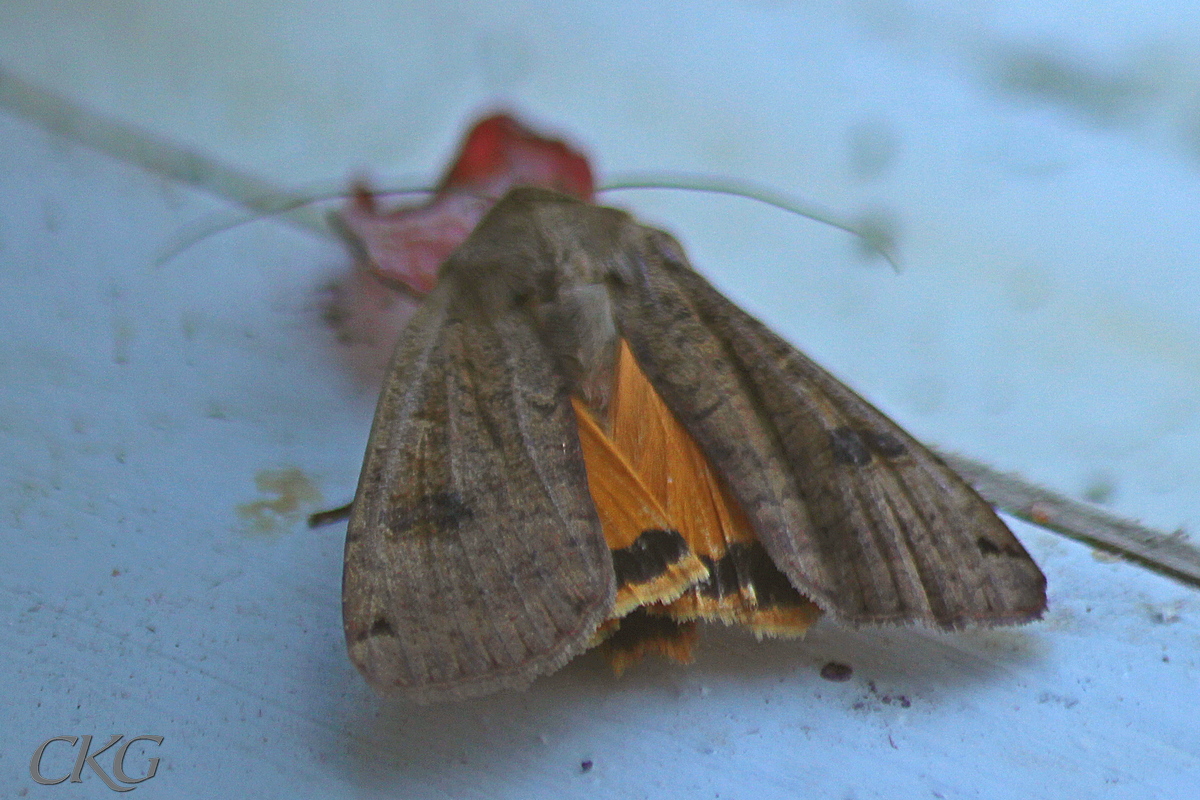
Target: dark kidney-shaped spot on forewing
pixel 856 448
pixel 883 444
pixel 440 511
pixel 848 447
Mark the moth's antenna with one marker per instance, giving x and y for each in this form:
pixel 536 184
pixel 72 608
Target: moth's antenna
pixel 876 239
pixel 273 205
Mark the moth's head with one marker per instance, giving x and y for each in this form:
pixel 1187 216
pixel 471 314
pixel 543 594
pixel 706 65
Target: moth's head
pixel 578 329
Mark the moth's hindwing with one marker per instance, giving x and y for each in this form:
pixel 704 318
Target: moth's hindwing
pixel 740 585
pixel 652 559
pixel 474 556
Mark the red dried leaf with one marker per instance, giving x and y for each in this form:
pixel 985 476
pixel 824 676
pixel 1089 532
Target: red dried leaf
pixel 409 243
pixel 406 245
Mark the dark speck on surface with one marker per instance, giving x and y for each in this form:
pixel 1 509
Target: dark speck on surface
pixel 837 672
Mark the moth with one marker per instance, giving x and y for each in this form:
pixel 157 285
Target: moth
pixel 581 442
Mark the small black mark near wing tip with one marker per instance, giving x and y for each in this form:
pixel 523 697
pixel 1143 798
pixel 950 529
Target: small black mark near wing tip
pixel 989 548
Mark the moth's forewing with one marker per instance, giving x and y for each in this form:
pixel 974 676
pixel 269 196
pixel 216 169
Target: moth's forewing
pixel 862 519
pixel 474 557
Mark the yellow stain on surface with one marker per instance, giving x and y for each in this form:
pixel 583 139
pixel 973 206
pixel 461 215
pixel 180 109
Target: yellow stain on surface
pixel 292 491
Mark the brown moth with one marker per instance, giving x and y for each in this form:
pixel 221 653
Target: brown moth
pixel 497 531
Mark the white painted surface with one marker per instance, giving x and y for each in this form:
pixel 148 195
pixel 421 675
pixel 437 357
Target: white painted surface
pixel 1046 321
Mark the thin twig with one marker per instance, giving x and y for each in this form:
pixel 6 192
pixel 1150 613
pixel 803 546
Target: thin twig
pixel 330 516
pixel 154 154
pixel 1169 553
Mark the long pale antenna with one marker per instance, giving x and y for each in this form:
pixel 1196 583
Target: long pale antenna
pixel 874 240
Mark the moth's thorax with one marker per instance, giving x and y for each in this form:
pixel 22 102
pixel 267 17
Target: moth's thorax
pixel 558 260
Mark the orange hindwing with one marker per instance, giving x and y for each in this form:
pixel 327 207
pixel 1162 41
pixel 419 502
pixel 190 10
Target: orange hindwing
pixel 682 547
